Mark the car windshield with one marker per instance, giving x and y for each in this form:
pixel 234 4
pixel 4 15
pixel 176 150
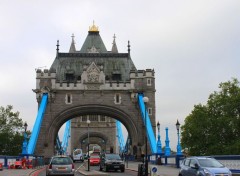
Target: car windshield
pixel 61 161
pixel 209 162
pixel 113 157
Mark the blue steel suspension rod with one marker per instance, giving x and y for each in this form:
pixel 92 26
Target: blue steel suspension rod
pixel 66 136
pixel 149 129
pixel 58 142
pixel 36 129
pixel 120 136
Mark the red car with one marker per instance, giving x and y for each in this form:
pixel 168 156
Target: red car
pixel 94 160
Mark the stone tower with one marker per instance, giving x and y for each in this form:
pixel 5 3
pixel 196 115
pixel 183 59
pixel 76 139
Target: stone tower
pixel 99 85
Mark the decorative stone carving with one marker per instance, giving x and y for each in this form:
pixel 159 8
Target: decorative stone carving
pixel 93 50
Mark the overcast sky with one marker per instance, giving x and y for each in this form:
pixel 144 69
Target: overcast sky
pixel 192 46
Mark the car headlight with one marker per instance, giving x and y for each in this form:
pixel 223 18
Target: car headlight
pixel 207 172
pixel 230 173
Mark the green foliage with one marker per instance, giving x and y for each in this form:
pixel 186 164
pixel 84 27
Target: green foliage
pixel 11 131
pixel 214 128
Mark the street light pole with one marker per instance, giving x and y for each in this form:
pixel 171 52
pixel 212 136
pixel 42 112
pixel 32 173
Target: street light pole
pixel 88 122
pixel 179 148
pixel 24 145
pixel 145 100
pixel 159 145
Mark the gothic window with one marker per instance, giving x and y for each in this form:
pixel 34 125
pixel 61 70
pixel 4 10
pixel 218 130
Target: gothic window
pixel 149 111
pixel 69 77
pixel 117 98
pixel 149 81
pixel 84 118
pixel 68 99
pixel 93 118
pixel 79 78
pixel 102 118
pixel 116 77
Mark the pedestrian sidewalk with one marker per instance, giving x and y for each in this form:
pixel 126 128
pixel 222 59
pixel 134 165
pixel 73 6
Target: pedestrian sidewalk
pixel 16 172
pixel 161 170
pixel 19 172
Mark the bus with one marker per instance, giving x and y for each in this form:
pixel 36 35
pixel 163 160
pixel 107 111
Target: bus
pixel 77 155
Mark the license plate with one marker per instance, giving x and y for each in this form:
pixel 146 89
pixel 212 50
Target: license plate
pixel 116 166
pixel 61 168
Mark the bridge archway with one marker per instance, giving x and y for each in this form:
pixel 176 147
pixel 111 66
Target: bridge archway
pixel 102 142
pixel 67 114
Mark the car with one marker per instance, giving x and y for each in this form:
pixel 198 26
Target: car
pixel 94 160
pixel 77 155
pixel 202 166
pixel 60 165
pixel 111 161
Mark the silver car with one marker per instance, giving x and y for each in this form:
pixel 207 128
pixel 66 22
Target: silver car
pixel 203 166
pixel 60 165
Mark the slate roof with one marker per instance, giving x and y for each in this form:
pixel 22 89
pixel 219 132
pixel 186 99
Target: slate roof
pixel 93 50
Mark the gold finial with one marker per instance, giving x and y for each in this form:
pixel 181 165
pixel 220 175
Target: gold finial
pixel 93 28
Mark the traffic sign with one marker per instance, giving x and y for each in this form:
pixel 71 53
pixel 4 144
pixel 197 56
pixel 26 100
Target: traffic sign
pixel 154 169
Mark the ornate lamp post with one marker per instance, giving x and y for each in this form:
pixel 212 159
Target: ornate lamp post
pixel 24 145
pixel 179 148
pixel 145 100
pixel 88 123
pixel 159 145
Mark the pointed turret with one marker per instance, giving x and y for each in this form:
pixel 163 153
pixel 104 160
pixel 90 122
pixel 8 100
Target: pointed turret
pixel 93 43
pixel 72 47
pixel 114 46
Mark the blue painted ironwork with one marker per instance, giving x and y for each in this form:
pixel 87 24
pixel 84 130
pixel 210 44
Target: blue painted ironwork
pixel 66 137
pixel 120 137
pixel 36 129
pixel 127 145
pixel 59 147
pixel 167 148
pixel 150 134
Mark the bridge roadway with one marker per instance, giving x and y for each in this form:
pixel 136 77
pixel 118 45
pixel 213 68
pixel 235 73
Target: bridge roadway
pixel 133 166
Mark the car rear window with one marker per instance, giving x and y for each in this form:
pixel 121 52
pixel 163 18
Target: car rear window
pixel 61 161
pixel 113 157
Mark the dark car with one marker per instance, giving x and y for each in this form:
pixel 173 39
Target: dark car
pixel 111 161
pixel 202 166
pixel 60 165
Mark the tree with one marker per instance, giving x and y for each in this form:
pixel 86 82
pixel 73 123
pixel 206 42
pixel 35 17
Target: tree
pixel 214 128
pixel 11 130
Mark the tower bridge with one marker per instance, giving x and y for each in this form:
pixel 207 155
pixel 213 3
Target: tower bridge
pixel 97 85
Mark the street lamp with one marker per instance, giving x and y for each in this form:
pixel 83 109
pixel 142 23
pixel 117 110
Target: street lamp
pixel 88 122
pixel 159 145
pixel 145 100
pixel 24 145
pixel 179 148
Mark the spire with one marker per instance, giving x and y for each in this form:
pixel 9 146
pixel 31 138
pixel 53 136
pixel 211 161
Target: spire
pixel 114 46
pixel 57 47
pixel 93 28
pixel 72 47
pixel 128 47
